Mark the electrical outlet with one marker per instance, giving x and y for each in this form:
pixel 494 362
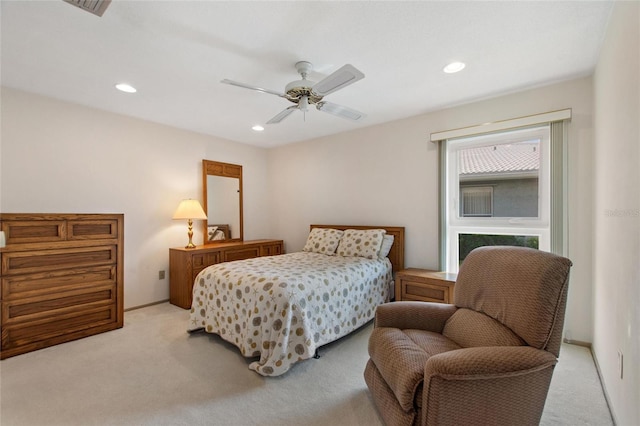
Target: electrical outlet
pixel 620 363
pixel 161 275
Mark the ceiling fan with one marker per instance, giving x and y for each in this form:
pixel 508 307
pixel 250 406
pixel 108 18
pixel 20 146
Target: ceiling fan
pixel 306 92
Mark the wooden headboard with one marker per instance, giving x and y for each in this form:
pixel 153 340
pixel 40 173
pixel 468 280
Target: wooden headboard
pixel 396 255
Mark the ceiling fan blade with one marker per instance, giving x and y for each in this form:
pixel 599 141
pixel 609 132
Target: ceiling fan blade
pixel 343 77
pixel 248 86
pixel 340 111
pixel 282 115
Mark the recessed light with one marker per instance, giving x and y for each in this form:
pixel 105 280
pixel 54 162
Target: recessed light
pixel 454 67
pixel 258 128
pixel 123 87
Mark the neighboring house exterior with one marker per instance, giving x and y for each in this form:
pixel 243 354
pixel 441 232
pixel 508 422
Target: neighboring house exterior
pixel 499 180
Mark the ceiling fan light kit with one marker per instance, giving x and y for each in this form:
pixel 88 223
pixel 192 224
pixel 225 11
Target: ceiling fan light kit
pixel 305 92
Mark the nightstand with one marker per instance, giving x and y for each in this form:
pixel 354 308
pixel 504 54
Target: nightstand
pixel 425 285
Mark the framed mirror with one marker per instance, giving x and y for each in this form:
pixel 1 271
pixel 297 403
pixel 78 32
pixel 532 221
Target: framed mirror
pixel 222 202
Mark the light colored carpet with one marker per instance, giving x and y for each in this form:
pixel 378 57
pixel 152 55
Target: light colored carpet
pixel 151 372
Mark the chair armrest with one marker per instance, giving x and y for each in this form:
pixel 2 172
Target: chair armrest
pixel 414 315
pixel 486 385
pixel 488 362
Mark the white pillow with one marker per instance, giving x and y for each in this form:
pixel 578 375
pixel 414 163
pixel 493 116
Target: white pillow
pixel 323 241
pixel 385 248
pixel 361 243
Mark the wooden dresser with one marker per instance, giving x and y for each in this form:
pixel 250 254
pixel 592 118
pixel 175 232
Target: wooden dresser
pixel 61 277
pixel 425 285
pixel 185 264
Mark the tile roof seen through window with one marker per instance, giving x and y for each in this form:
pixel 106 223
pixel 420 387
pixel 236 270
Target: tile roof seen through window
pixel 504 158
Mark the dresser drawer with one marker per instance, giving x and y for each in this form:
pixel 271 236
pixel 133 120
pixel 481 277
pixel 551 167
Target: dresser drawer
pixel 270 249
pixel 241 254
pixel 100 229
pixel 49 260
pixel 34 231
pixel 29 285
pixel 55 304
pixel 32 335
pixel 202 260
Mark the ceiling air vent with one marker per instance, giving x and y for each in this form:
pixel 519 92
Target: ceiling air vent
pixel 97 7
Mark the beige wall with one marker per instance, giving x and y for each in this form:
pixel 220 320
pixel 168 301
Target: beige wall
pixel 65 158
pixel 616 241
pixel 61 157
pixel 388 175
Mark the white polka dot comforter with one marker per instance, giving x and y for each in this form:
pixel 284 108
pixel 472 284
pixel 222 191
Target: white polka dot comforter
pixel 281 308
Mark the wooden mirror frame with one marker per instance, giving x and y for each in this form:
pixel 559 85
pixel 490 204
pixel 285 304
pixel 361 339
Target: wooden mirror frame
pixel 216 168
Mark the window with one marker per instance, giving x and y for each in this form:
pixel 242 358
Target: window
pixel 476 201
pixel 468 242
pixel 497 192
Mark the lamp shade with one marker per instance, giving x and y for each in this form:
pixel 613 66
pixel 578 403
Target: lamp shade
pixel 189 209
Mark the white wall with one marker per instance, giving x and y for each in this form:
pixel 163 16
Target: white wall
pixel 616 243
pixel 59 157
pixel 388 175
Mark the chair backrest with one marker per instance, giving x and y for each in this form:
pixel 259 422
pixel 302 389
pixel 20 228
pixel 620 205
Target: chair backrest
pixel 524 289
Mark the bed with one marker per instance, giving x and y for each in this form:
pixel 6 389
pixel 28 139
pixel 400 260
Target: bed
pixel 283 308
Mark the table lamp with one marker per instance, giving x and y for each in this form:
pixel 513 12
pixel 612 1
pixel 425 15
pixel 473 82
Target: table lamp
pixel 190 210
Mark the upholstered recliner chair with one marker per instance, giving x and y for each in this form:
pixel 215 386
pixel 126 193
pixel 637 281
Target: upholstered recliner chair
pixel 485 360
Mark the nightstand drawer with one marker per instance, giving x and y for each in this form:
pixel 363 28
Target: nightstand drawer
pixel 425 285
pixel 425 292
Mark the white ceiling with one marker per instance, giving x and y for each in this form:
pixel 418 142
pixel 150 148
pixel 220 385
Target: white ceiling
pixel 176 52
